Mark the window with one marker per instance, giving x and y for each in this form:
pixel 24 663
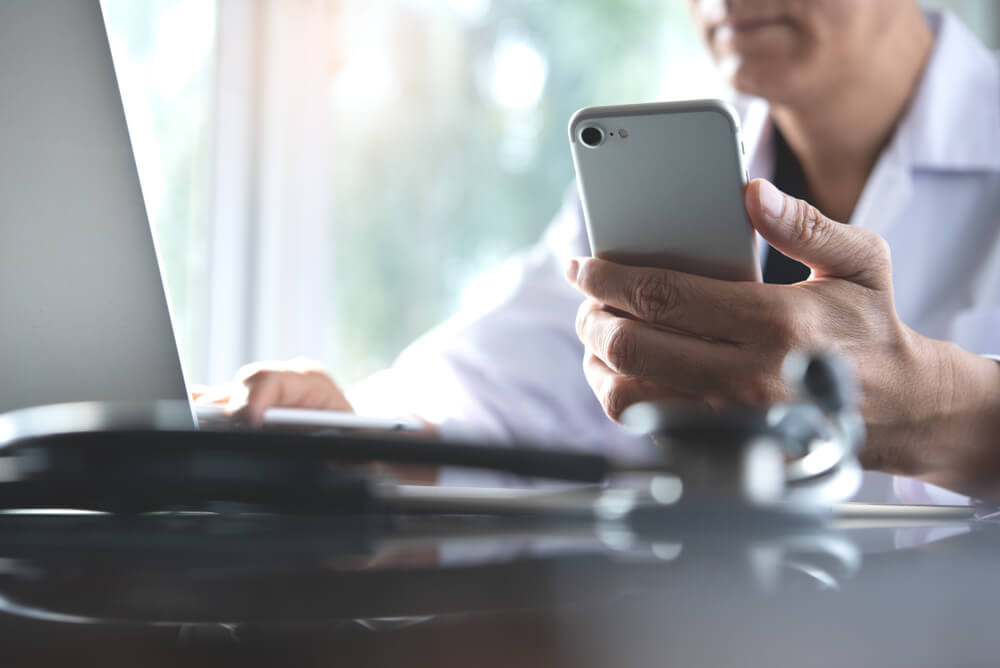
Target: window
pixel 164 54
pixel 448 136
pixel 326 177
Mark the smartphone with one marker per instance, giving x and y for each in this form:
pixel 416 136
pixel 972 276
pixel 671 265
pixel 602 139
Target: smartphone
pixel 662 186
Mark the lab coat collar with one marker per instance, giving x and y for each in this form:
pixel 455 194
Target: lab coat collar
pixel 953 122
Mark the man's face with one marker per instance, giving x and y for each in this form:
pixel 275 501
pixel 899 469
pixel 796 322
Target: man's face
pixel 792 50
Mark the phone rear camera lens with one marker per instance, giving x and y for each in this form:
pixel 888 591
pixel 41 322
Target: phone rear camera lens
pixel 592 136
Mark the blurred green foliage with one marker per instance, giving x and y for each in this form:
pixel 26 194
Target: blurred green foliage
pixel 425 197
pixel 433 183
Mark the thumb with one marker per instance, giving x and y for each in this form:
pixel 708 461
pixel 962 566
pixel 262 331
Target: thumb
pixel 830 249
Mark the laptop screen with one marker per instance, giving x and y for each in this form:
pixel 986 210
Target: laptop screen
pixel 83 313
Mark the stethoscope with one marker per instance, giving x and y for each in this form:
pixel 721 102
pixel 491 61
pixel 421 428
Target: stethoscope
pixel 801 454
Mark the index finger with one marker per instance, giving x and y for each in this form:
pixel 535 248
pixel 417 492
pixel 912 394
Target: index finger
pixel 732 311
pixel 209 394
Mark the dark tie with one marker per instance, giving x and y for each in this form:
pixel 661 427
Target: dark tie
pixel 789 178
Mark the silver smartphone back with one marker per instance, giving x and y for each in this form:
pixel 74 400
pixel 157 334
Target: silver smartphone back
pixel 662 186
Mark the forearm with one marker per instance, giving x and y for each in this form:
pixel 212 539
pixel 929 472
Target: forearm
pixel 966 457
pixel 952 438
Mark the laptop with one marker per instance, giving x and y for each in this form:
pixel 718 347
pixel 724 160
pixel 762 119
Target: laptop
pixel 83 311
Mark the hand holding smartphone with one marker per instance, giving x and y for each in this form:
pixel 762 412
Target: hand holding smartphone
pixel 662 186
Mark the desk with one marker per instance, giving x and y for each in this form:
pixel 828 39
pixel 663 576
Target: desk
pixel 206 590
pixel 332 568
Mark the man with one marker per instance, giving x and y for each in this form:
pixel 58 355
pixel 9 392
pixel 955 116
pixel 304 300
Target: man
pixel 874 114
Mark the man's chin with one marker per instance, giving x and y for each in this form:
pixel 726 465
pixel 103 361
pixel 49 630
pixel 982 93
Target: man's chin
pixel 770 83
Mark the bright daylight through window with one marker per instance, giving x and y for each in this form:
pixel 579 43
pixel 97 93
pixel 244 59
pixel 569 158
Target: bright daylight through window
pixel 332 178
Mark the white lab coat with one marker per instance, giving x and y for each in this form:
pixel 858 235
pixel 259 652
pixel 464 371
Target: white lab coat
pixel 508 367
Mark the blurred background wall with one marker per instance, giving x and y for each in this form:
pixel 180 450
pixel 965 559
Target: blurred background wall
pixel 329 177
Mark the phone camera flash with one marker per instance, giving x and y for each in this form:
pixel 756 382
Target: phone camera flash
pixel 623 133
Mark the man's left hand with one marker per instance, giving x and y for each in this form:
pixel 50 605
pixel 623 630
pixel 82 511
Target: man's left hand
pixel 655 332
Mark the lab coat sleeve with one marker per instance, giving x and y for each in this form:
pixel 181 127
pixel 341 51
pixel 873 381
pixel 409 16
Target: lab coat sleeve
pixel 508 367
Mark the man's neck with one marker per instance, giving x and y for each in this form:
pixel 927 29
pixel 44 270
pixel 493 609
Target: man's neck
pixel 839 135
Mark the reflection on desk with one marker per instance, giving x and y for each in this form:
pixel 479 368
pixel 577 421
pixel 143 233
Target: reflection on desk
pixel 200 589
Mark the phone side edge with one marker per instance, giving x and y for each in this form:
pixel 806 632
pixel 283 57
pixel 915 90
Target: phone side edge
pixel 581 192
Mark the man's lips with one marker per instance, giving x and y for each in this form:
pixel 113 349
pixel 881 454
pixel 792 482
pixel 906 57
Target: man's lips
pixel 746 25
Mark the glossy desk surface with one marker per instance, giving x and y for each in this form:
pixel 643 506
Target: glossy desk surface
pixel 680 588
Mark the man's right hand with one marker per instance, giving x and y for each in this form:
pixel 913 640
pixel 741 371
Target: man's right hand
pixel 297 383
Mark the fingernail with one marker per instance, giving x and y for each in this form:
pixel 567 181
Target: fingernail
pixel 772 200
pixel 572 271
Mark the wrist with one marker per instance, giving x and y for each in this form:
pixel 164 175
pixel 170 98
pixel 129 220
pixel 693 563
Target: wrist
pixel 962 448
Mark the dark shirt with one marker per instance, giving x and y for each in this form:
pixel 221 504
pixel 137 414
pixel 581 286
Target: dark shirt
pixel 790 179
